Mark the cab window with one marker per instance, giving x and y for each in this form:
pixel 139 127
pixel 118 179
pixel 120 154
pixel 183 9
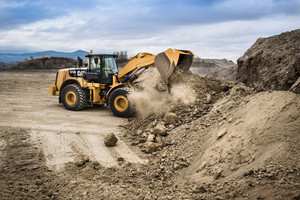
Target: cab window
pixel 110 66
pixel 95 64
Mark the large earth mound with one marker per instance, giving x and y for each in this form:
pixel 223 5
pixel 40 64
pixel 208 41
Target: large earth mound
pixel 272 63
pixel 228 143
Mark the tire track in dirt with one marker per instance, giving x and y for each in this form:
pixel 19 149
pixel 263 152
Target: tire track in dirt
pixel 19 150
pixel 62 148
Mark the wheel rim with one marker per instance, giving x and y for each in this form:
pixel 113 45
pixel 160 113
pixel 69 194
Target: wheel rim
pixel 71 98
pixel 121 103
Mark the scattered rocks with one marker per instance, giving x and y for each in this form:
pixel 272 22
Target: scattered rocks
pixel 170 118
pixel 110 140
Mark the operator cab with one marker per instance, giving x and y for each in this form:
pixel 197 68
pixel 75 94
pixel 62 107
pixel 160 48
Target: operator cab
pixel 101 68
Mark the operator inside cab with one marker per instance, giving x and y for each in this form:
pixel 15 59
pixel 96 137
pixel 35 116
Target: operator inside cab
pixel 110 66
pixel 95 65
pixel 102 68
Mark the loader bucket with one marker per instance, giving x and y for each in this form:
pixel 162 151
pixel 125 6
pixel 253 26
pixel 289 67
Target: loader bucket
pixel 166 62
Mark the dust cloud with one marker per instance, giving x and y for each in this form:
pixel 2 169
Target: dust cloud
pixel 151 101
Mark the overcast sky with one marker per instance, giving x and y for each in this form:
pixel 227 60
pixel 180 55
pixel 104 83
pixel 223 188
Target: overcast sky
pixel 211 29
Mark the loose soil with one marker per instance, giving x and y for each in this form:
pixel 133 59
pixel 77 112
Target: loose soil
pixel 228 143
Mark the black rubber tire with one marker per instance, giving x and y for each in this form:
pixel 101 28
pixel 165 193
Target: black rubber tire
pixel 81 97
pixel 124 92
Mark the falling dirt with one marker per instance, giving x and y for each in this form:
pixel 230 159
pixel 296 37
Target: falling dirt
pixel 158 97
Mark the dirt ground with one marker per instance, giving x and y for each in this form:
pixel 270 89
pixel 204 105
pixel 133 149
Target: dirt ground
pixel 228 143
pixel 39 138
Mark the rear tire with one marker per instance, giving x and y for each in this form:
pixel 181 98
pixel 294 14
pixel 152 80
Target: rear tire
pixel 74 97
pixel 120 104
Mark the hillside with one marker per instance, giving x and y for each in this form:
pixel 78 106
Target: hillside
pixel 4 66
pixel 44 63
pixel 10 57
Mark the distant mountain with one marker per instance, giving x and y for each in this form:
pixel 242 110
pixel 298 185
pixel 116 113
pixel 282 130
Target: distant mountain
pixel 10 57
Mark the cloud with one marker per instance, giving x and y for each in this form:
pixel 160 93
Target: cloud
pixel 220 40
pixel 143 14
pixel 15 13
pixel 220 29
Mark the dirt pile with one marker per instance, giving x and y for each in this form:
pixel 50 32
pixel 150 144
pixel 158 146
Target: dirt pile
pixel 229 143
pixel 190 97
pixel 271 63
pixel 243 146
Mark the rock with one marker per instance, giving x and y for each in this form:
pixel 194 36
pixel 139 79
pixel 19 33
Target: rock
pixel 159 139
pixel 198 189
pixel 161 86
pixel 85 193
pixel 139 132
pixel 221 134
pixel 208 98
pixel 170 118
pixel 150 147
pixel 151 138
pixel 176 166
pixel 82 162
pixel 160 129
pixel 39 182
pixel 110 140
pixel 144 135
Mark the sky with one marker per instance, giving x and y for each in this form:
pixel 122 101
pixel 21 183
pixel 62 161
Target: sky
pixel 209 28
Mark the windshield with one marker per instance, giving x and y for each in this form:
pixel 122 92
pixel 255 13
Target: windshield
pixel 110 65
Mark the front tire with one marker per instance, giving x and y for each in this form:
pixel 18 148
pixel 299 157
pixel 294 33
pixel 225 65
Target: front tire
pixel 74 97
pixel 120 104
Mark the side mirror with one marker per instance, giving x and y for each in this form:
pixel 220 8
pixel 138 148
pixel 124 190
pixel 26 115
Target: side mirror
pixel 96 60
pixel 79 61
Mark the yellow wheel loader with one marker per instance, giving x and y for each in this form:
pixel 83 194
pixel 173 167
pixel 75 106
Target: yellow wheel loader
pixel 100 82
